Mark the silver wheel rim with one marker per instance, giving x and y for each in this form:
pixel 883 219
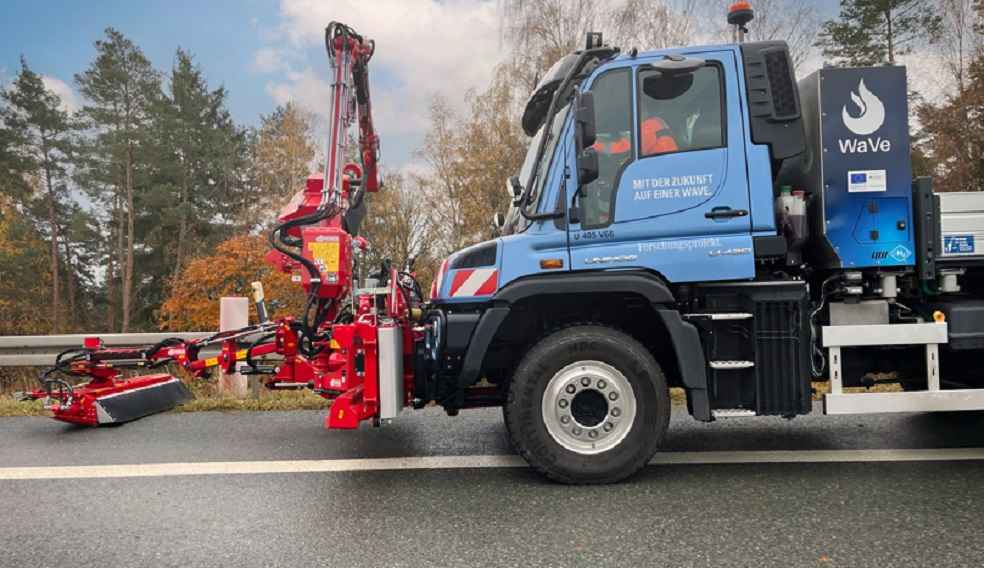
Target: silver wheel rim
pixel 574 415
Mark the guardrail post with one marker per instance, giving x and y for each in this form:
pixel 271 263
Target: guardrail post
pixel 233 314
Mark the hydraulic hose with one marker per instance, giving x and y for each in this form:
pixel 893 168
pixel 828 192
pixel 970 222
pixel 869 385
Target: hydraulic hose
pixel 280 241
pixel 249 350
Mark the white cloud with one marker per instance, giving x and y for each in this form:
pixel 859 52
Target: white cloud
pixel 269 60
pixel 70 101
pixel 423 48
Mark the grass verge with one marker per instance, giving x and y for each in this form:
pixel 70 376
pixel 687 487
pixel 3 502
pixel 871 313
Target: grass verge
pixel 207 400
pixel 10 406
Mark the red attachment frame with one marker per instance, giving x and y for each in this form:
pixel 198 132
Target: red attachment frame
pixel 334 346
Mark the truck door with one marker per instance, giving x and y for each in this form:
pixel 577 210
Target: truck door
pixel 672 190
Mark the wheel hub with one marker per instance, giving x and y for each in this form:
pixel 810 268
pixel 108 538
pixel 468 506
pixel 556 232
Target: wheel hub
pixel 588 407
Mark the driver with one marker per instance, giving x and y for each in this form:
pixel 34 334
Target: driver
pixel 614 151
pixel 657 138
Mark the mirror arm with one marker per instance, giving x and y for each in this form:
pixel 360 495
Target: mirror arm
pixel 574 214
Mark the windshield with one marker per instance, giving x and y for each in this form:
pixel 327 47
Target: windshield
pixel 514 221
pixel 548 152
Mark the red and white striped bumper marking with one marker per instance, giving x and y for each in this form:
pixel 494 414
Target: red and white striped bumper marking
pixel 474 282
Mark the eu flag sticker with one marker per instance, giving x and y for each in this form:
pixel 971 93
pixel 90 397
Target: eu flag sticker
pixel 867 180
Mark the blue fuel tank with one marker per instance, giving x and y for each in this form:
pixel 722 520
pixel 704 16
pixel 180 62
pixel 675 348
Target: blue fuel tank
pixel 857 168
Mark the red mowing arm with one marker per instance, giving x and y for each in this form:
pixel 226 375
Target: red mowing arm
pixel 348 345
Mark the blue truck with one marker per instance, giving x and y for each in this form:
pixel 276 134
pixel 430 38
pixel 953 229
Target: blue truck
pixel 698 218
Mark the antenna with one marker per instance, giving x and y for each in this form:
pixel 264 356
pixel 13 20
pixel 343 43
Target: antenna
pixel 739 14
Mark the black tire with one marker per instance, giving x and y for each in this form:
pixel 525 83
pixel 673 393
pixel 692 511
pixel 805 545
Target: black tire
pixel 563 350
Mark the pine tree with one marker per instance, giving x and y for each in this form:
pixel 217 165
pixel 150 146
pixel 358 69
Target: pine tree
pixel 34 114
pixel 120 86
pixel 284 153
pixel 197 152
pixel 876 32
pixel 15 164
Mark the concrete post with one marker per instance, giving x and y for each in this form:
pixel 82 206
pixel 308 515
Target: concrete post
pixel 233 314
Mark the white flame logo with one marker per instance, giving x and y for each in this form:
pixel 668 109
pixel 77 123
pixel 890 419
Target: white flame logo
pixel 872 112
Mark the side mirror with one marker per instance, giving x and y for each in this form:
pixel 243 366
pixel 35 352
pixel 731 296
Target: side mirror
pixel 498 220
pixel 584 118
pixel 515 189
pixel 587 166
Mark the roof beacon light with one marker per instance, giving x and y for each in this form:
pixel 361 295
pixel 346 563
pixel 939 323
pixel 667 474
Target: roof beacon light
pixel 739 14
pixel 593 40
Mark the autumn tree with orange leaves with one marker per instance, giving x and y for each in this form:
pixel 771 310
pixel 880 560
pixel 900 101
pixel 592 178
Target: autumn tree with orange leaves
pixel 229 271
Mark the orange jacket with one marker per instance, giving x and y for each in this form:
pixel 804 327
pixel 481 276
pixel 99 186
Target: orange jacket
pixel 656 139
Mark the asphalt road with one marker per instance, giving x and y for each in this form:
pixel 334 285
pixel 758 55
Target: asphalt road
pixel 757 514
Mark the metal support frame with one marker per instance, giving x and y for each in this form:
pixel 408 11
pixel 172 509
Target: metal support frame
pixel 931 335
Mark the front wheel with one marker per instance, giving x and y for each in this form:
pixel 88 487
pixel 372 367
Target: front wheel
pixel 587 404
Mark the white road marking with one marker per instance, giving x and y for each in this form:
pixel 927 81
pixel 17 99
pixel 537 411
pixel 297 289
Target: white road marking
pixel 470 462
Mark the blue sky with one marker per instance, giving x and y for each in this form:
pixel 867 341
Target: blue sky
pixel 268 52
pixel 57 39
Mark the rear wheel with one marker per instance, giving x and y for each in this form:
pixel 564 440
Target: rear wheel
pixel 587 404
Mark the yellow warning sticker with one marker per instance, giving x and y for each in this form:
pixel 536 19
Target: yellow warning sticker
pixel 212 362
pixel 325 255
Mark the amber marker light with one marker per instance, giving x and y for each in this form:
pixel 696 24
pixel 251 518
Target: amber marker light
pixel 551 263
pixel 939 317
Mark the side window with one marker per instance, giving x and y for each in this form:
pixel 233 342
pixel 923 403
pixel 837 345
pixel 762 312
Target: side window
pixel 615 143
pixel 678 113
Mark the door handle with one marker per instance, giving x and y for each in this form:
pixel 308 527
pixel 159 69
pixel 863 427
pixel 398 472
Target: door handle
pixel 725 213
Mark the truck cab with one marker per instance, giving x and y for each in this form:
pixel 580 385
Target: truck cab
pixel 697 218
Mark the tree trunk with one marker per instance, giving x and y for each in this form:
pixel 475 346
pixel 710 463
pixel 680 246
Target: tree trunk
pixel 128 265
pixel 182 227
pixel 889 38
pixel 55 277
pixel 117 261
pixel 70 283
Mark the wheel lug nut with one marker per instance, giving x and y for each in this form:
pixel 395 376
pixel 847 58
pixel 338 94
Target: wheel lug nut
pixel 570 389
pixel 613 395
pixel 565 419
pixel 616 411
pixel 563 403
pixel 602 384
pixel 576 431
pixel 585 382
pixel 608 426
pixel 593 434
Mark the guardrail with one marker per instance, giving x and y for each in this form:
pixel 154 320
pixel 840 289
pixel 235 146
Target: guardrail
pixel 41 350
